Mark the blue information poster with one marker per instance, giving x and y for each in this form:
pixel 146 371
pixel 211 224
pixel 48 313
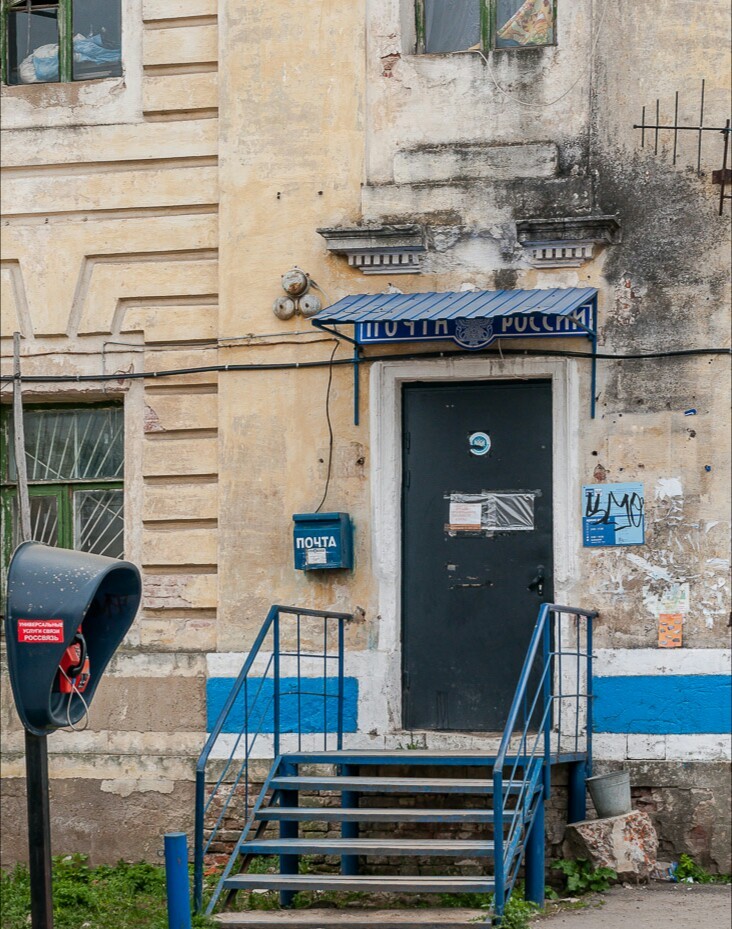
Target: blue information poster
pixel 613 514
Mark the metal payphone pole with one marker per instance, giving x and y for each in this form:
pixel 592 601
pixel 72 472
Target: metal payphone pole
pixel 39 830
pixel 36 747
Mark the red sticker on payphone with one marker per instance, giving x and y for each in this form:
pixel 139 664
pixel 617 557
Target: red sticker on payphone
pixel 41 631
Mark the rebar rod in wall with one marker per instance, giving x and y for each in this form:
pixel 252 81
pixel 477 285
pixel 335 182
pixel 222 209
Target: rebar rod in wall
pixel 701 130
pixel 718 176
pixel 723 178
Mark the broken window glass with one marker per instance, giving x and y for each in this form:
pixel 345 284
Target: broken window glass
pixel 75 465
pixel 32 43
pixel 97 39
pixel 524 23
pixel 40 50
pixel 71 445
pixel 451 25
pixel 99 522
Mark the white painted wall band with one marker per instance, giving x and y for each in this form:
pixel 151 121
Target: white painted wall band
pixel 626 662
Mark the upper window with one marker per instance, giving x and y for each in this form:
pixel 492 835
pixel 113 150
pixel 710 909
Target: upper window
pixel 456 25
pixel 75 464
pixel 45 41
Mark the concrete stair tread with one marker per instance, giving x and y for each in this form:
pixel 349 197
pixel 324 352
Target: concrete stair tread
pixel 387 784
pixel 375 847
pixel 356 918
pixel 378 815
pixel 389 883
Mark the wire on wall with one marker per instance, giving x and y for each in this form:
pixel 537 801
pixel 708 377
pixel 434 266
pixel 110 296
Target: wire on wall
pixel 330 428
pixel 8 379
pixel 528 103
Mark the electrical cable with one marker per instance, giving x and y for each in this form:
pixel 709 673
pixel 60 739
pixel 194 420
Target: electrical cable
pixel 85 716
pixel 406 356
pixel 528 103
pixel 330 429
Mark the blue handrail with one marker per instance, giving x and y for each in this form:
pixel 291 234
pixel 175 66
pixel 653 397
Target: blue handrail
pixel 256 713
pixel 547 681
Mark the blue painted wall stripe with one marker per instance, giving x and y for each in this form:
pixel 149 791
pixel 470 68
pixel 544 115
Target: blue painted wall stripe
pixel 663 705
pixel 313 709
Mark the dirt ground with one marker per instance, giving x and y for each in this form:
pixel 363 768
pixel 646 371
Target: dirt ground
pixel 658 906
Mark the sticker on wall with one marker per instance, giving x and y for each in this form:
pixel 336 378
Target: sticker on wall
pixel 613 514
pixel 675 599
pixel 491 511
pixel 670 627
pixel 480 443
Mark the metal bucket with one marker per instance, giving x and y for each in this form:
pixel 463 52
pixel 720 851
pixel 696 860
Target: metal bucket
pixel 610 793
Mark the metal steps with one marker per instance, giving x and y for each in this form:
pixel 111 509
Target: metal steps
pixel 381 785
pixel 399 756
pixel 287 785
pixel 383 848
pixel 338 814
pixel 386 883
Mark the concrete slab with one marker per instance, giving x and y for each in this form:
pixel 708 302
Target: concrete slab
pixel 418 918
pixel 657 906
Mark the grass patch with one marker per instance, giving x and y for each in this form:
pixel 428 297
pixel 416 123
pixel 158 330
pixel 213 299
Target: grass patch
pixel 581 878
pixel 123 896
pixel 687 871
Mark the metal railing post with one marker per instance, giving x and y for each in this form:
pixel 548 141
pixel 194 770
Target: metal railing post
pixel 276 686
pixel 547 699
pixel 499 872
pixel 238 694
pixel 341 682
pixel 198 842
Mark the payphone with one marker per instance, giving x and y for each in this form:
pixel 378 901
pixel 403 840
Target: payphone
pixel 67 613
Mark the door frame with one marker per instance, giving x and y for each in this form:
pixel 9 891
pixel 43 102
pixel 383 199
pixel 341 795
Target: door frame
pixel 387 379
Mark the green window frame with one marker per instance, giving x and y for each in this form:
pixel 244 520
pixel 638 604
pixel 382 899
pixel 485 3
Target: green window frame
pixel 490 26
pixel 74 509
pixel 86 48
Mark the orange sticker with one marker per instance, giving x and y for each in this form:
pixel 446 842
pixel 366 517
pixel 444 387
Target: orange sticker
pixel 669 630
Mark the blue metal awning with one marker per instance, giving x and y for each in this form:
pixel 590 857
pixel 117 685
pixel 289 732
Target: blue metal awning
pixel 475 304
pixel 472 319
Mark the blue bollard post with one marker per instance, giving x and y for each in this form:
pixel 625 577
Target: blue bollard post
pixel 534 860
pixel 577 797
pixel 176 880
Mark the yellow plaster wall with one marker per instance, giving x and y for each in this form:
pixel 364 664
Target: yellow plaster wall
pixel 109 263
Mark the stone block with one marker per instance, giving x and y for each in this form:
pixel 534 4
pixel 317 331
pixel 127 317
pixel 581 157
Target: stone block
pixel 443 163
pixel 628 844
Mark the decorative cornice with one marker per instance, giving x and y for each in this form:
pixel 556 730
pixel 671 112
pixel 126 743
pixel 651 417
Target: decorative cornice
pixel 567 242
pixel 378 249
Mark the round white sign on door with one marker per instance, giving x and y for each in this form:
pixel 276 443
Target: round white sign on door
pixel 480 443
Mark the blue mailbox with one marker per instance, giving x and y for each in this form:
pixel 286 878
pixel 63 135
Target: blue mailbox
pixel 322 541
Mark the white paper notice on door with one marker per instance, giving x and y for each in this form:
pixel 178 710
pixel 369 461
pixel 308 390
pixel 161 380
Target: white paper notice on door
pixel 491 511
pixel 464 517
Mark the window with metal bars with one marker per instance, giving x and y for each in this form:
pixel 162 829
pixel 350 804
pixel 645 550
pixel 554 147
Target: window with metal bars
pixel 46 41
pixel 456 25
pixel 75 462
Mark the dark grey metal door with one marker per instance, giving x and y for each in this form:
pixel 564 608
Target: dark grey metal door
pixel 476 535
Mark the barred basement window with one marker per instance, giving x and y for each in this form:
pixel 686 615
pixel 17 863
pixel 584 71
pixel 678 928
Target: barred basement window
pixel 75 462
pixel 456 25
pixel 46 41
